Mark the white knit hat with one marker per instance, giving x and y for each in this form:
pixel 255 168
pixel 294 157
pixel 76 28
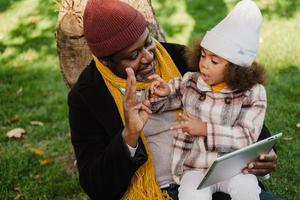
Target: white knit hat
pixel 236 37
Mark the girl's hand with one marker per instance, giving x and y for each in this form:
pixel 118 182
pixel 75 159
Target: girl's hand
pixel 192 125
pixel 158 87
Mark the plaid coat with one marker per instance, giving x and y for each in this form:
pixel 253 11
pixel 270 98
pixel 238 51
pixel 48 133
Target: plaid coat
pixel 234 120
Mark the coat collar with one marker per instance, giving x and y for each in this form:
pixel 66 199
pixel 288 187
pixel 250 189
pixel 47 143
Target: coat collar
pixel 99 100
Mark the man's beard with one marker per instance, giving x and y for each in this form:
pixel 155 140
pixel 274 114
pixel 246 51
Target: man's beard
pixel 144 78
pixel 139 77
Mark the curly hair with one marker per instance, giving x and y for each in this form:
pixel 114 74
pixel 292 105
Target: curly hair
pixel 236 77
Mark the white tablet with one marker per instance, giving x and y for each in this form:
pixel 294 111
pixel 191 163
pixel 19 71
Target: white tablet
pixel 232 163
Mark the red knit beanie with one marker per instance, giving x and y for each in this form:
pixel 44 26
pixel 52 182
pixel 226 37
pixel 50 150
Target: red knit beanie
pixel 111 25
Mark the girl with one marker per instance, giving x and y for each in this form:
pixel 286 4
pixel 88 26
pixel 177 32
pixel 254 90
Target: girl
pixel 224 104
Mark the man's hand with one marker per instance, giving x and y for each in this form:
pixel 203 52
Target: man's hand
pixel 265 164
pixel 159 87
pixel 136 113
pixel 191 125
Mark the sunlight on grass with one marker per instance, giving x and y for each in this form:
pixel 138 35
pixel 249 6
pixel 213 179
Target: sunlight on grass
pixel 11 17
pixel 32 89
pixel 175 21
pixel 280 42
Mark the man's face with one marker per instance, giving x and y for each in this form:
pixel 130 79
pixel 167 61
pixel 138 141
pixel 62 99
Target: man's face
pixel 139 56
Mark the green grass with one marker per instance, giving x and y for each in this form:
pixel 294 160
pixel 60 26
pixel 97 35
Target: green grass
pixel 32 89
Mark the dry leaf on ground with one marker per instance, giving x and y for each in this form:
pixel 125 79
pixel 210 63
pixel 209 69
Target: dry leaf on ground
pixel 17 197
pixel 288 138
pixel 37 123
pixel 12 120
pixel 45 162
pixel 20 90
pixel 37 151
pixel 37 177
pixel 15 133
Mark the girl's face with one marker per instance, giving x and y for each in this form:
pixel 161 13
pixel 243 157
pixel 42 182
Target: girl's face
pixel 212 67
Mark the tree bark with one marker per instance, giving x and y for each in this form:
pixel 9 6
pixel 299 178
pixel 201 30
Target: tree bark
pixel 73 52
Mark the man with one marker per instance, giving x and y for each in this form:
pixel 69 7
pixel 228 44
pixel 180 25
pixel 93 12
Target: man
pixel 116 140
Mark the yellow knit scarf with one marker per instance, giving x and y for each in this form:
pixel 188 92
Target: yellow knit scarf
pixel 218 87
pixel 143 184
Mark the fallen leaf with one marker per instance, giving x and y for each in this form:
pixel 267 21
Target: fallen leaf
pixel 17 189
pixel 37 123
pixel 17 197
pixel 33 19
pixel 12 120
pixel 20 90
pixel 45 162
pixel 15 133
pixel 288 138
pixel 298 125
pixel 37 177
pixel 75 163
pixel 37 151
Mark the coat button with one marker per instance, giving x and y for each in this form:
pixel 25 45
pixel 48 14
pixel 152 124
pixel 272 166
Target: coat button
pixel 202 96
pixel 227 100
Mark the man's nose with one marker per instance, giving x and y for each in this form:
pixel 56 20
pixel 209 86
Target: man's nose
pixel 147 56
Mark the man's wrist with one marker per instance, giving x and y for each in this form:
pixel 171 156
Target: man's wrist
pixel 130 139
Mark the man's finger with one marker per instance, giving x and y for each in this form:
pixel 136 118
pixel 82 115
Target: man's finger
pixel 268 157
pixel 261 165
pixel 130 93
pixel 141 106
pixel 146 108
pixel 146 103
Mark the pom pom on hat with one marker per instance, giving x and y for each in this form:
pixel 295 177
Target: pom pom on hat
pixel 236 37
pixel 111 25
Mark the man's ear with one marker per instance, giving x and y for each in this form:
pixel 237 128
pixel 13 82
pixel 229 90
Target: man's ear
pixel 105 62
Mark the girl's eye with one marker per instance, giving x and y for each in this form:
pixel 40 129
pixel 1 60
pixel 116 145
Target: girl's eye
pixel 202 55
pixel 214 62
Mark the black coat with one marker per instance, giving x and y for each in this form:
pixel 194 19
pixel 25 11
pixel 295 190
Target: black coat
pixel 103 160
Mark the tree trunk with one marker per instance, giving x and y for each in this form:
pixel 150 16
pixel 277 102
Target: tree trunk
pixel 72 48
